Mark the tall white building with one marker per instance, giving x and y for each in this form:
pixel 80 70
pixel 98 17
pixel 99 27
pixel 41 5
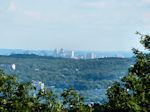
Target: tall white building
pixel 56 52
pixel 62 52
pixel 72 54
pixel 91 56
pixel 13 66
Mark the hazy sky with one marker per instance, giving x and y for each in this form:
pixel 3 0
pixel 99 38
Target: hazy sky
pixel 104 25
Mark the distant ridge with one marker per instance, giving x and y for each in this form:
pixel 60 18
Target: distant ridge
pixel 8 52
pixel 29 56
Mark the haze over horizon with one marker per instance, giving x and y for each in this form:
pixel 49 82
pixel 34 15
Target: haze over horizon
pixel 99 25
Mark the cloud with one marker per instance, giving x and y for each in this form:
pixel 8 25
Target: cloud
pixel 98 4
pixel 76 16
pixel 145 19
pixel 146 1
pixel 36 15
pixel 146 16
pixel 12 6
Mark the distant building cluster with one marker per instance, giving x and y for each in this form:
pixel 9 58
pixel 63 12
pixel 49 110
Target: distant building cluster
pixel 62 53
pixel 91 56
pixel 38 85
pixel 72 54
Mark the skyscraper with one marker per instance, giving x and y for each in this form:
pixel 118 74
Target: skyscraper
pixel 56 52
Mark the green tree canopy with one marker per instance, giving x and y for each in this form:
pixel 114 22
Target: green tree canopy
pixel 15 96
pixel 133 93
pixel 74 102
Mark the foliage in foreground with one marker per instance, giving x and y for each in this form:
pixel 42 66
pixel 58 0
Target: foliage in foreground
pixel 15 96
pixel 133 93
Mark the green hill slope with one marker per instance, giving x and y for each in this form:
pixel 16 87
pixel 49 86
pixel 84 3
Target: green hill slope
pixel 89 77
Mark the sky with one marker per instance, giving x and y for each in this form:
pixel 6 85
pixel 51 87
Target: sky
pixel 99 25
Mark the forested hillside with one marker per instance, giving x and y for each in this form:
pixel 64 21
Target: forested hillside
pixel 90 77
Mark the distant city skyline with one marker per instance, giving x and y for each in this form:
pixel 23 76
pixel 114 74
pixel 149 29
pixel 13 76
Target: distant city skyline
pixel 95 25
pixel 64 53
